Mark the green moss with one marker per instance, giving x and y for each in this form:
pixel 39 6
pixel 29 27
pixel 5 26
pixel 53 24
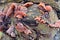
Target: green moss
pixel 51 2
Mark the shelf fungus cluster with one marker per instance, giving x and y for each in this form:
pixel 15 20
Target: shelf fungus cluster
pixel 21 18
